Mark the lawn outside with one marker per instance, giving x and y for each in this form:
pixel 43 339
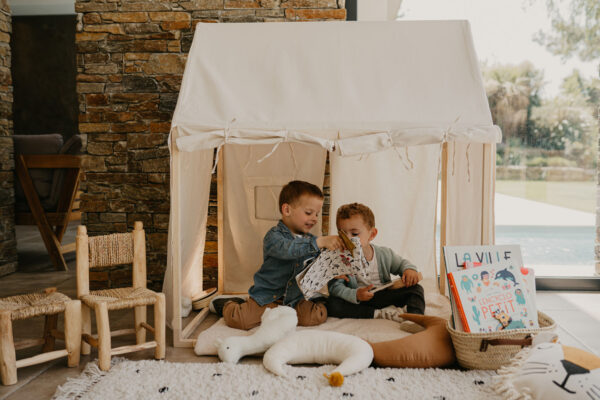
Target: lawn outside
pixel 579 196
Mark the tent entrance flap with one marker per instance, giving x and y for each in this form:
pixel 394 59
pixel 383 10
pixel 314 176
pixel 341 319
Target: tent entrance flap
pixel 251 196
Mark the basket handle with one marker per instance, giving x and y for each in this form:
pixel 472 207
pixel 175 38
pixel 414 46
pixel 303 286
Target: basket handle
pixel 505 342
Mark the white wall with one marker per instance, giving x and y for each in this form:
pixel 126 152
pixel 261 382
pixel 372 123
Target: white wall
pixel 377 10
pixel 42 7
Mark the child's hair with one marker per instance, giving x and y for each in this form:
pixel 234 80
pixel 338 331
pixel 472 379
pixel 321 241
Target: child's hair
pixel 291 192
pixel 349 210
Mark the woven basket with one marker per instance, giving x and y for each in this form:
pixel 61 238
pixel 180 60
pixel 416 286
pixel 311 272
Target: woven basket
pixel 495 349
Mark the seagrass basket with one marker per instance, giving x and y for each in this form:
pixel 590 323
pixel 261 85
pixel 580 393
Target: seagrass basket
pixel 492 350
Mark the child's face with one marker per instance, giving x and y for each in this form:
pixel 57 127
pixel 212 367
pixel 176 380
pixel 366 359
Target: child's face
pixel 355 226
pixel 303 215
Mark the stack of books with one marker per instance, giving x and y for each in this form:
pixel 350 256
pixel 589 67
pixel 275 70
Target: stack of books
pixel 490 290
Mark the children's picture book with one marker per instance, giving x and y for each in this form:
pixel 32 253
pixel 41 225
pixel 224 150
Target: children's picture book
pixel 490 299
pixel 397 282
pixel 492 258
pixel 329 264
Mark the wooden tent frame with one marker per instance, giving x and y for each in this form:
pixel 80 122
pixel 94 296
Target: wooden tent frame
pixel 64 213
pixel 182 334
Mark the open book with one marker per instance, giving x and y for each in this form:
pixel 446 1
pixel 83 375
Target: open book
pixel 329 264
pixel 397 282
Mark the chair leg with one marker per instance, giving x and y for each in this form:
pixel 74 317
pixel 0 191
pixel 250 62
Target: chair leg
pixel 139 317
pixel 73 332
pixel 159 326
pixel 49 340
pixel 104 344
pixel 50 240
pixel 86 327
pixel 8 358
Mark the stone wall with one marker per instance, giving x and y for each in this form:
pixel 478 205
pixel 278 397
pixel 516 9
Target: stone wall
pixel 130 60
pixel 8 244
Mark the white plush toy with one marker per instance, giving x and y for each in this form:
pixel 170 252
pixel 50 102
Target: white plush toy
pixel 320 347
pixel 275 324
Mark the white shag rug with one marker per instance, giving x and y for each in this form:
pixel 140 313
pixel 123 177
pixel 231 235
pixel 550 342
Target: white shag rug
pixel 164 380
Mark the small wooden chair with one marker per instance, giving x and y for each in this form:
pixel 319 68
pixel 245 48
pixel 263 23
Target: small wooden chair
pixel 49 303
pixel 108 250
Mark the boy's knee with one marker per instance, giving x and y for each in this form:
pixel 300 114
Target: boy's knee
pixel 244 316
pixel 233 316
pixel 311 313
pixel 418 289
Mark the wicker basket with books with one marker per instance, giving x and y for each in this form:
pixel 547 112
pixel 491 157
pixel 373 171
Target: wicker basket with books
pixel 493 298
pixel 492 350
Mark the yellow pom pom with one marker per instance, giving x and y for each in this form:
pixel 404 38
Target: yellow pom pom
pixel 335 379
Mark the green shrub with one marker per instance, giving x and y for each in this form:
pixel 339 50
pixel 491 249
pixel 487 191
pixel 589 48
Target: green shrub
pixel 498 159
pixel 550 162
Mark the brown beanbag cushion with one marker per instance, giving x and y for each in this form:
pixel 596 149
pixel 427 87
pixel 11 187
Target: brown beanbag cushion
pixel 429 348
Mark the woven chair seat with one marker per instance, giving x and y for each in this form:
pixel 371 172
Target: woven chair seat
pixel 120 298
pixel 34 304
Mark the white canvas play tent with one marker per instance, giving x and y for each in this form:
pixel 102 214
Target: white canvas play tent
pixel 392 103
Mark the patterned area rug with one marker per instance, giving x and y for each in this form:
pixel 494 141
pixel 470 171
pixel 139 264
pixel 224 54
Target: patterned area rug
pixel 164 380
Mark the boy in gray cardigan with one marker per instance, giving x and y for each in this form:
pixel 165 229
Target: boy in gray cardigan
pixel 350 296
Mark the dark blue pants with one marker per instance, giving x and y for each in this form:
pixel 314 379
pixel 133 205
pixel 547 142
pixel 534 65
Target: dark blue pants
pixel 412 297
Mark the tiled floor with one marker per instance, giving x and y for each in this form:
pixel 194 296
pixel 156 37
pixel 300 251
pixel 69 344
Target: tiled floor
pixel 578 316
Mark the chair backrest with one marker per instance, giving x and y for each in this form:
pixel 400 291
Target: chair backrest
pixel 109 250
pixel 49 179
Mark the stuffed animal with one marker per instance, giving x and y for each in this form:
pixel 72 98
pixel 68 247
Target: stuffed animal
pixel 320 347
pixel 275 324
pixel 426 349
pixel 550 371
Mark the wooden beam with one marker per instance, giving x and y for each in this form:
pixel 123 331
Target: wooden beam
pixel 443 216
pixel 27 343
pixel 52 161
pixel 488 194
pixel 72 333
pixel 50 240
pixel 194 323
pixel 176 242
pixel 122 332
pixel 58 334
pixel 144 325
pixel 66 199
pixel 8 368
pixel 68 248
pixel 40 358
pixel 220 220
pixel 134 347
pixel 104 341
pixel 89 339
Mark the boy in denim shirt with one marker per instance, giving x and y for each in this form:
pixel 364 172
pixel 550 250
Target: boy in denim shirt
pixel 286 247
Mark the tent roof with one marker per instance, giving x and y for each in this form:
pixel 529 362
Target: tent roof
pixel 370 84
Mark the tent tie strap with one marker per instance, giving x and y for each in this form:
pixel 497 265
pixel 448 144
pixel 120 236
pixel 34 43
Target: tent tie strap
pixel 226 132
pixel 284 138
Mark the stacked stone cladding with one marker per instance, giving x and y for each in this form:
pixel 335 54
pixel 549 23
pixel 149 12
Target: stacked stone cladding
pixel 8 244
pixel 130 59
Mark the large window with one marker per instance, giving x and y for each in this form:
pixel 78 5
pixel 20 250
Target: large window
pixel 541 79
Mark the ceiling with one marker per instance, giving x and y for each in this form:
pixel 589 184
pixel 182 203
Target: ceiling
pixel 42 7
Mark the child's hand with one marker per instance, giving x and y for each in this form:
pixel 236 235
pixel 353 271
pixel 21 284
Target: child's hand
pixel 410 277
pixel 344 277
pixel 363 294
pixel 332 242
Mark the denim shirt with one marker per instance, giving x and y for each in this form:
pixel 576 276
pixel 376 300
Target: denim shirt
pixel 284 256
